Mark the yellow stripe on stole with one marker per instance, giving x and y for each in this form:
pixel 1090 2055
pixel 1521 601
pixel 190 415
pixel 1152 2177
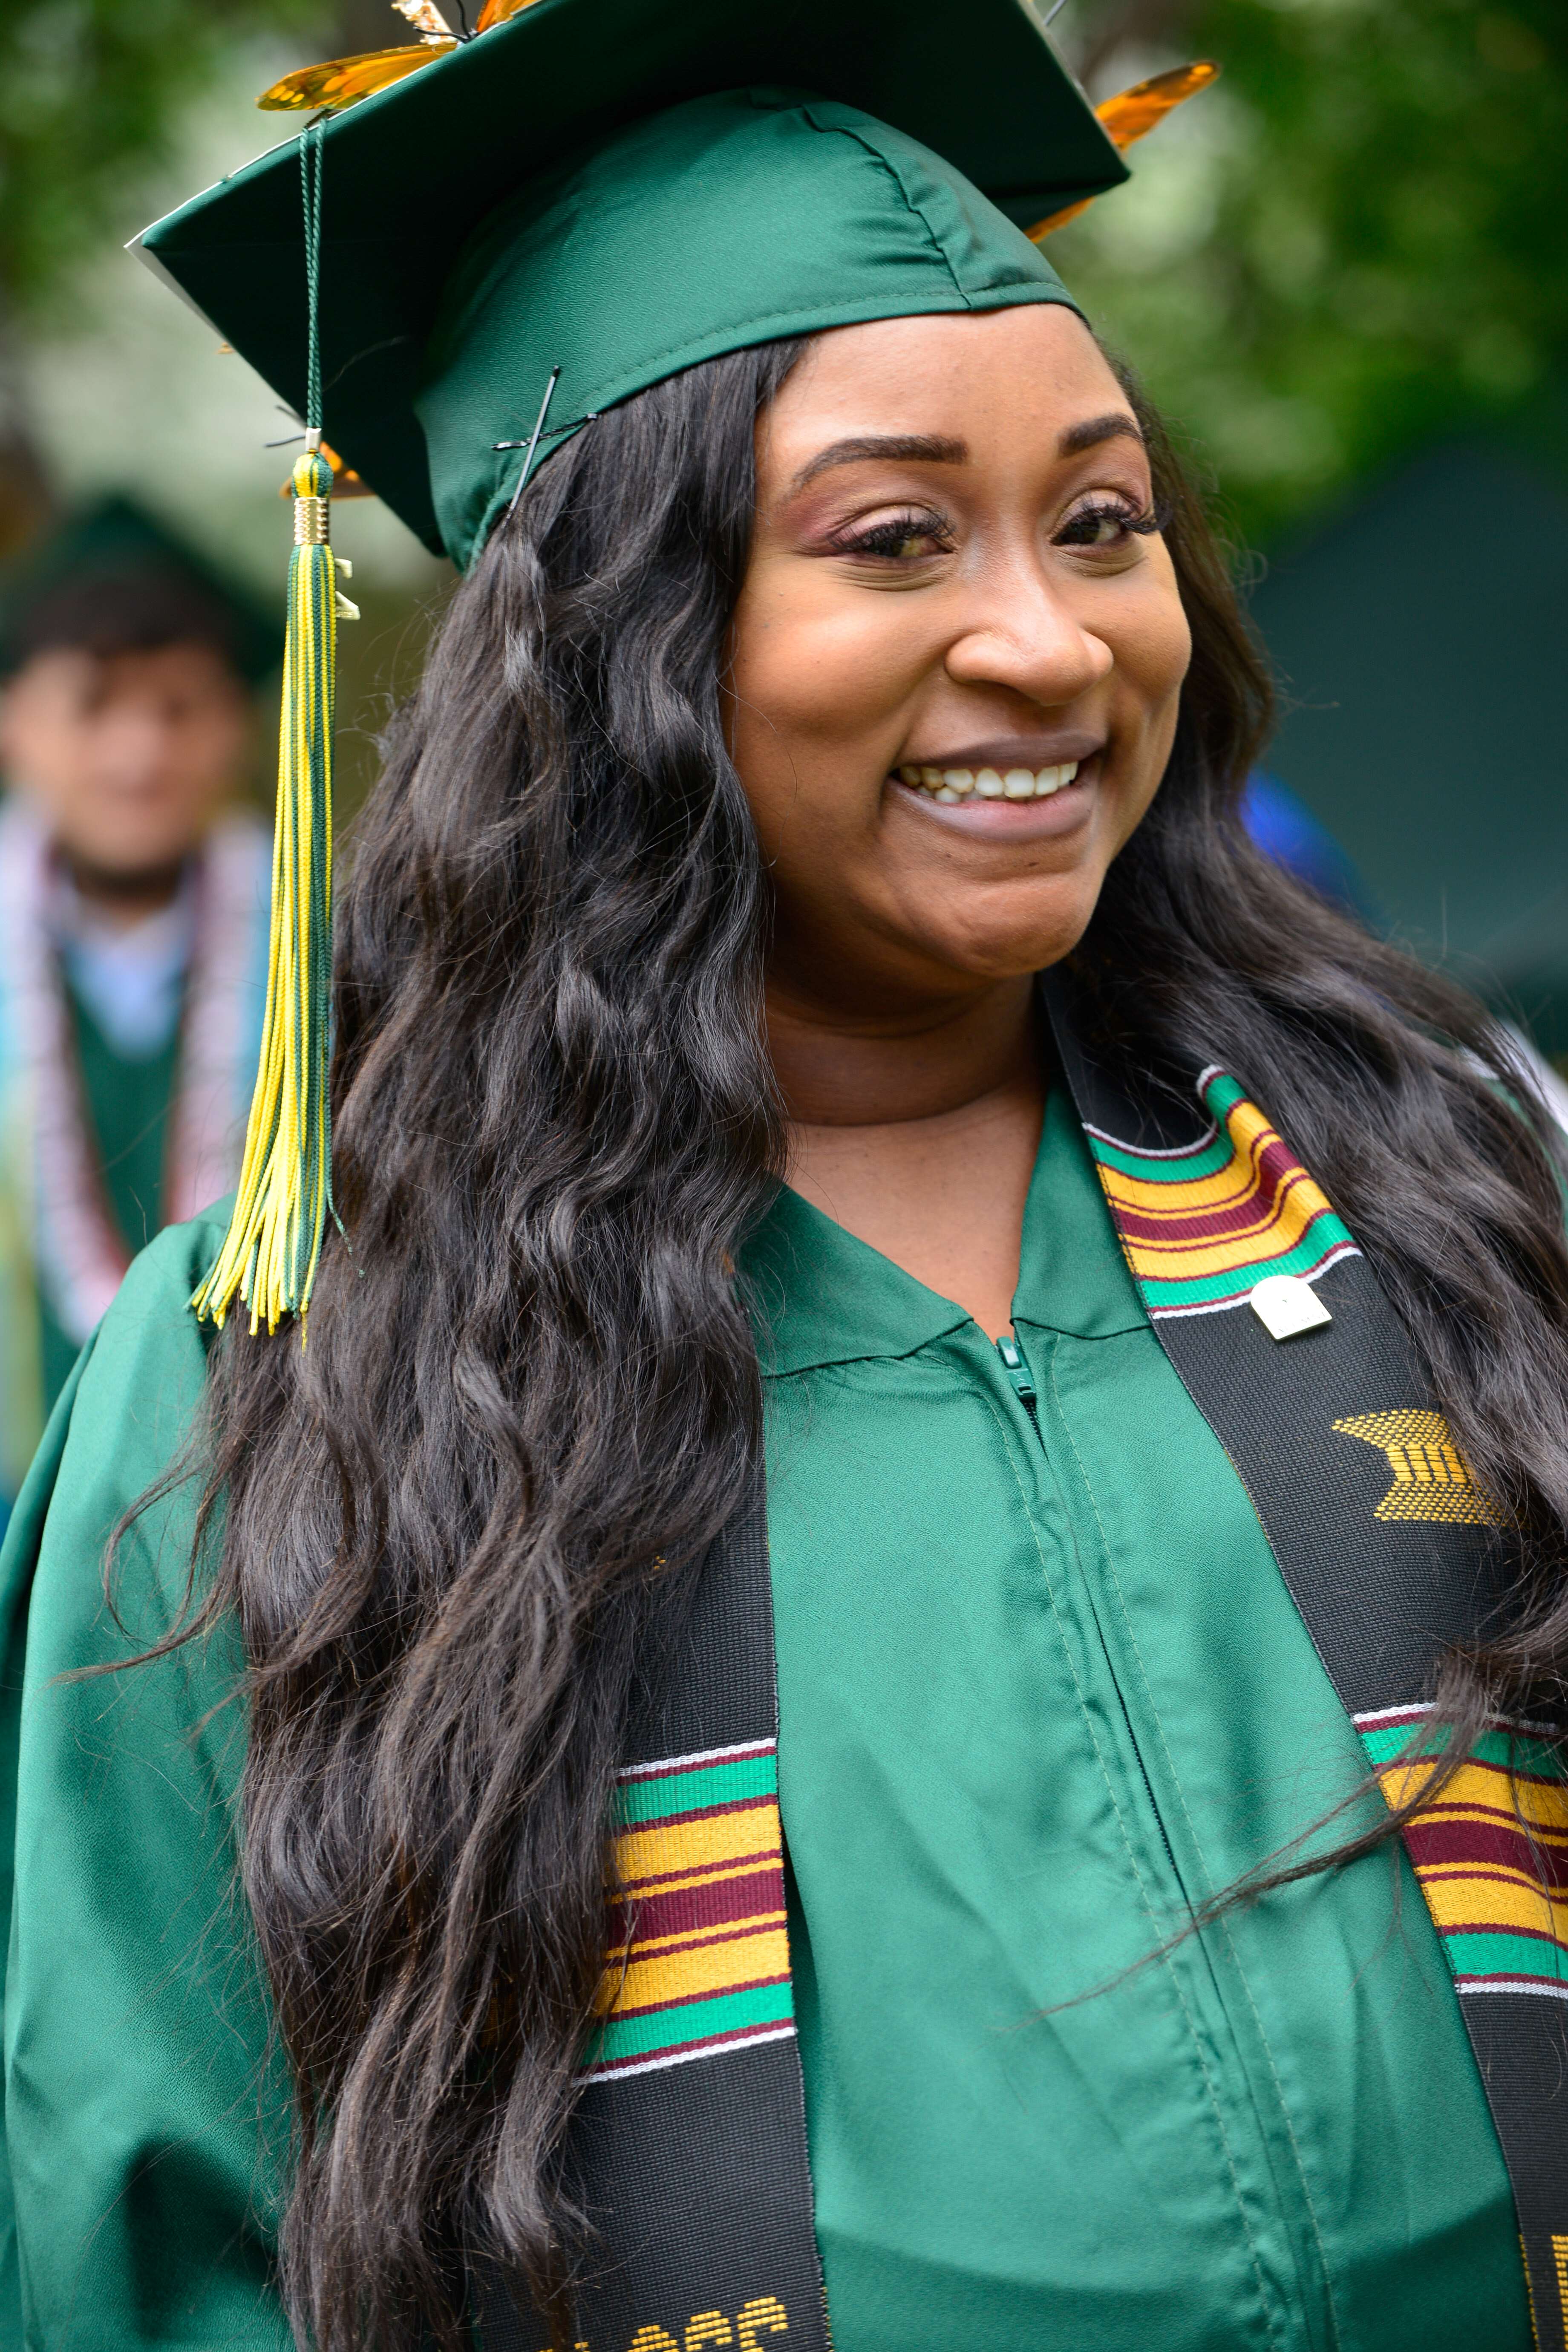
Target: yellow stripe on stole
pixel 1461 1898
pixel 1182 1196
pixel 1155 1261
pixel 712 1967
pixel 1468 1896
pixel 673 1849
pixel 1539 1806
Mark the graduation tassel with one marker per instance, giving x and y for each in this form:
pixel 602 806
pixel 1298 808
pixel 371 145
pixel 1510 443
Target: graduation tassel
pixel 273 1245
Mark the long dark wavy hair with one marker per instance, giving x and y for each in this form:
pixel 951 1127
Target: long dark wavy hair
pixel 530 1386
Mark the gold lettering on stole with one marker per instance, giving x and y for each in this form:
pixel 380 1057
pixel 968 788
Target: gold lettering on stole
pixel 766 2316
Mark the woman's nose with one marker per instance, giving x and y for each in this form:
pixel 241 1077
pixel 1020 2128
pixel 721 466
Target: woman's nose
pixel 1029 640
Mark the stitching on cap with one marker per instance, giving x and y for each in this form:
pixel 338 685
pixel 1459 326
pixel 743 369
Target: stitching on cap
pixel 876 156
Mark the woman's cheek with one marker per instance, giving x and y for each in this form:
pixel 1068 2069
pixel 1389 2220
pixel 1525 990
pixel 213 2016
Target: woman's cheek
pixel 1158 647
pixel 828 655
pixel 859 657
pixel 797 726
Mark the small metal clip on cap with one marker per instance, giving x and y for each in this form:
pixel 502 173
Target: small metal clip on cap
pixel 1285 1305
pixel 533 439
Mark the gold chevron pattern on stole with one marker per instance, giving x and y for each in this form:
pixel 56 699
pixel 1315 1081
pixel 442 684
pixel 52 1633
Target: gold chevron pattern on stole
pixel 1431 1477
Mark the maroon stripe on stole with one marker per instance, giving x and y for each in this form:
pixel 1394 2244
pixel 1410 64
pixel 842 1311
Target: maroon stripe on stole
pixel 1503 1978
pixel 765 1857
pixel 1526 1934
pixel 1484 1842
pixel 1210 1225
pixel 1275 1156
pixel 718 1905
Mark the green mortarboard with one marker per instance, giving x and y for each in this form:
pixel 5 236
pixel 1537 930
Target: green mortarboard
pixel 115 544
pixel 617 189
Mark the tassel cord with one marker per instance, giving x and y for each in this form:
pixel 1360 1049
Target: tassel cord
pixel 272 1251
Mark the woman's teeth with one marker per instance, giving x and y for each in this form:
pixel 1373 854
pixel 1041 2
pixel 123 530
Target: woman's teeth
pixel 989 783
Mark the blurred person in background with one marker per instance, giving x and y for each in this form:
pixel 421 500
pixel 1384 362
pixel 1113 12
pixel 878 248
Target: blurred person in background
pixel 133 924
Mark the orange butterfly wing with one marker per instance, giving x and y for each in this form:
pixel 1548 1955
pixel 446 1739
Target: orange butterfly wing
pixel 1131 115
pixel 1054 221
pixel 347 79
pixel 1134 113
pixel 346 483
pixel 496 12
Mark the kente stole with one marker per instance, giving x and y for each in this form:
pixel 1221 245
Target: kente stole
pixel 687 2150
pixel 1389 1552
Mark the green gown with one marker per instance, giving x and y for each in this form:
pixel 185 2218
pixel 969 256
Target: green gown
pixel 1039 1681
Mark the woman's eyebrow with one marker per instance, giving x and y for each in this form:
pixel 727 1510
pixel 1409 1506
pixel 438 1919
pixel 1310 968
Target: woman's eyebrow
pixel 931 448
pixel 1117 426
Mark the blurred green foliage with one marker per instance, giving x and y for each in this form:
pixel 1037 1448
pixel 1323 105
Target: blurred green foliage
pixel 91 91
pixel 1355 240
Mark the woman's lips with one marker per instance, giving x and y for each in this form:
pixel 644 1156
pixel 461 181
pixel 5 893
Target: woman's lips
pixel 1032 803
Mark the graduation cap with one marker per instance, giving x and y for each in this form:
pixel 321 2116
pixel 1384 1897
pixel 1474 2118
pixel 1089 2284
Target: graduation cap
pixel 516 229
pixel 112 578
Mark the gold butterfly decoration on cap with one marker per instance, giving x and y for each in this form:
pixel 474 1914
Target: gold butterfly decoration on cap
pixel 326 90
pixel 1132 114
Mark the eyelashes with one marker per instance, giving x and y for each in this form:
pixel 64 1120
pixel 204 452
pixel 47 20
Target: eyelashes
pixel 1087 525
pixel 902 538
pixel 1100 523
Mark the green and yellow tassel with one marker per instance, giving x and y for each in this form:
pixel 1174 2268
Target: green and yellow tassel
pixel 274 1241
pixel 273 1245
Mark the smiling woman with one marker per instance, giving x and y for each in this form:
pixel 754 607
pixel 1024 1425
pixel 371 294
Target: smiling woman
pixel 958 653
pixel 930 1476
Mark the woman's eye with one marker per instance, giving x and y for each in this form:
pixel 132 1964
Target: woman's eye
pixel 1106 523
pixel 904 539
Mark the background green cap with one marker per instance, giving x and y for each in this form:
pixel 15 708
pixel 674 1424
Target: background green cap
pixel 547 195
pixel 111 578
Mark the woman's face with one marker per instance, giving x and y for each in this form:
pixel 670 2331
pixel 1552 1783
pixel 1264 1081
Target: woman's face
pixel 957 652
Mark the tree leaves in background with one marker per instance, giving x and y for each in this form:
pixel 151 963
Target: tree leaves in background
pixel 91 92
pixel 92 95
pixel 1355 242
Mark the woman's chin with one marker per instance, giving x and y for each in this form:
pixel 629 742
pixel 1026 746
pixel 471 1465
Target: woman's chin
pixel 991 943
